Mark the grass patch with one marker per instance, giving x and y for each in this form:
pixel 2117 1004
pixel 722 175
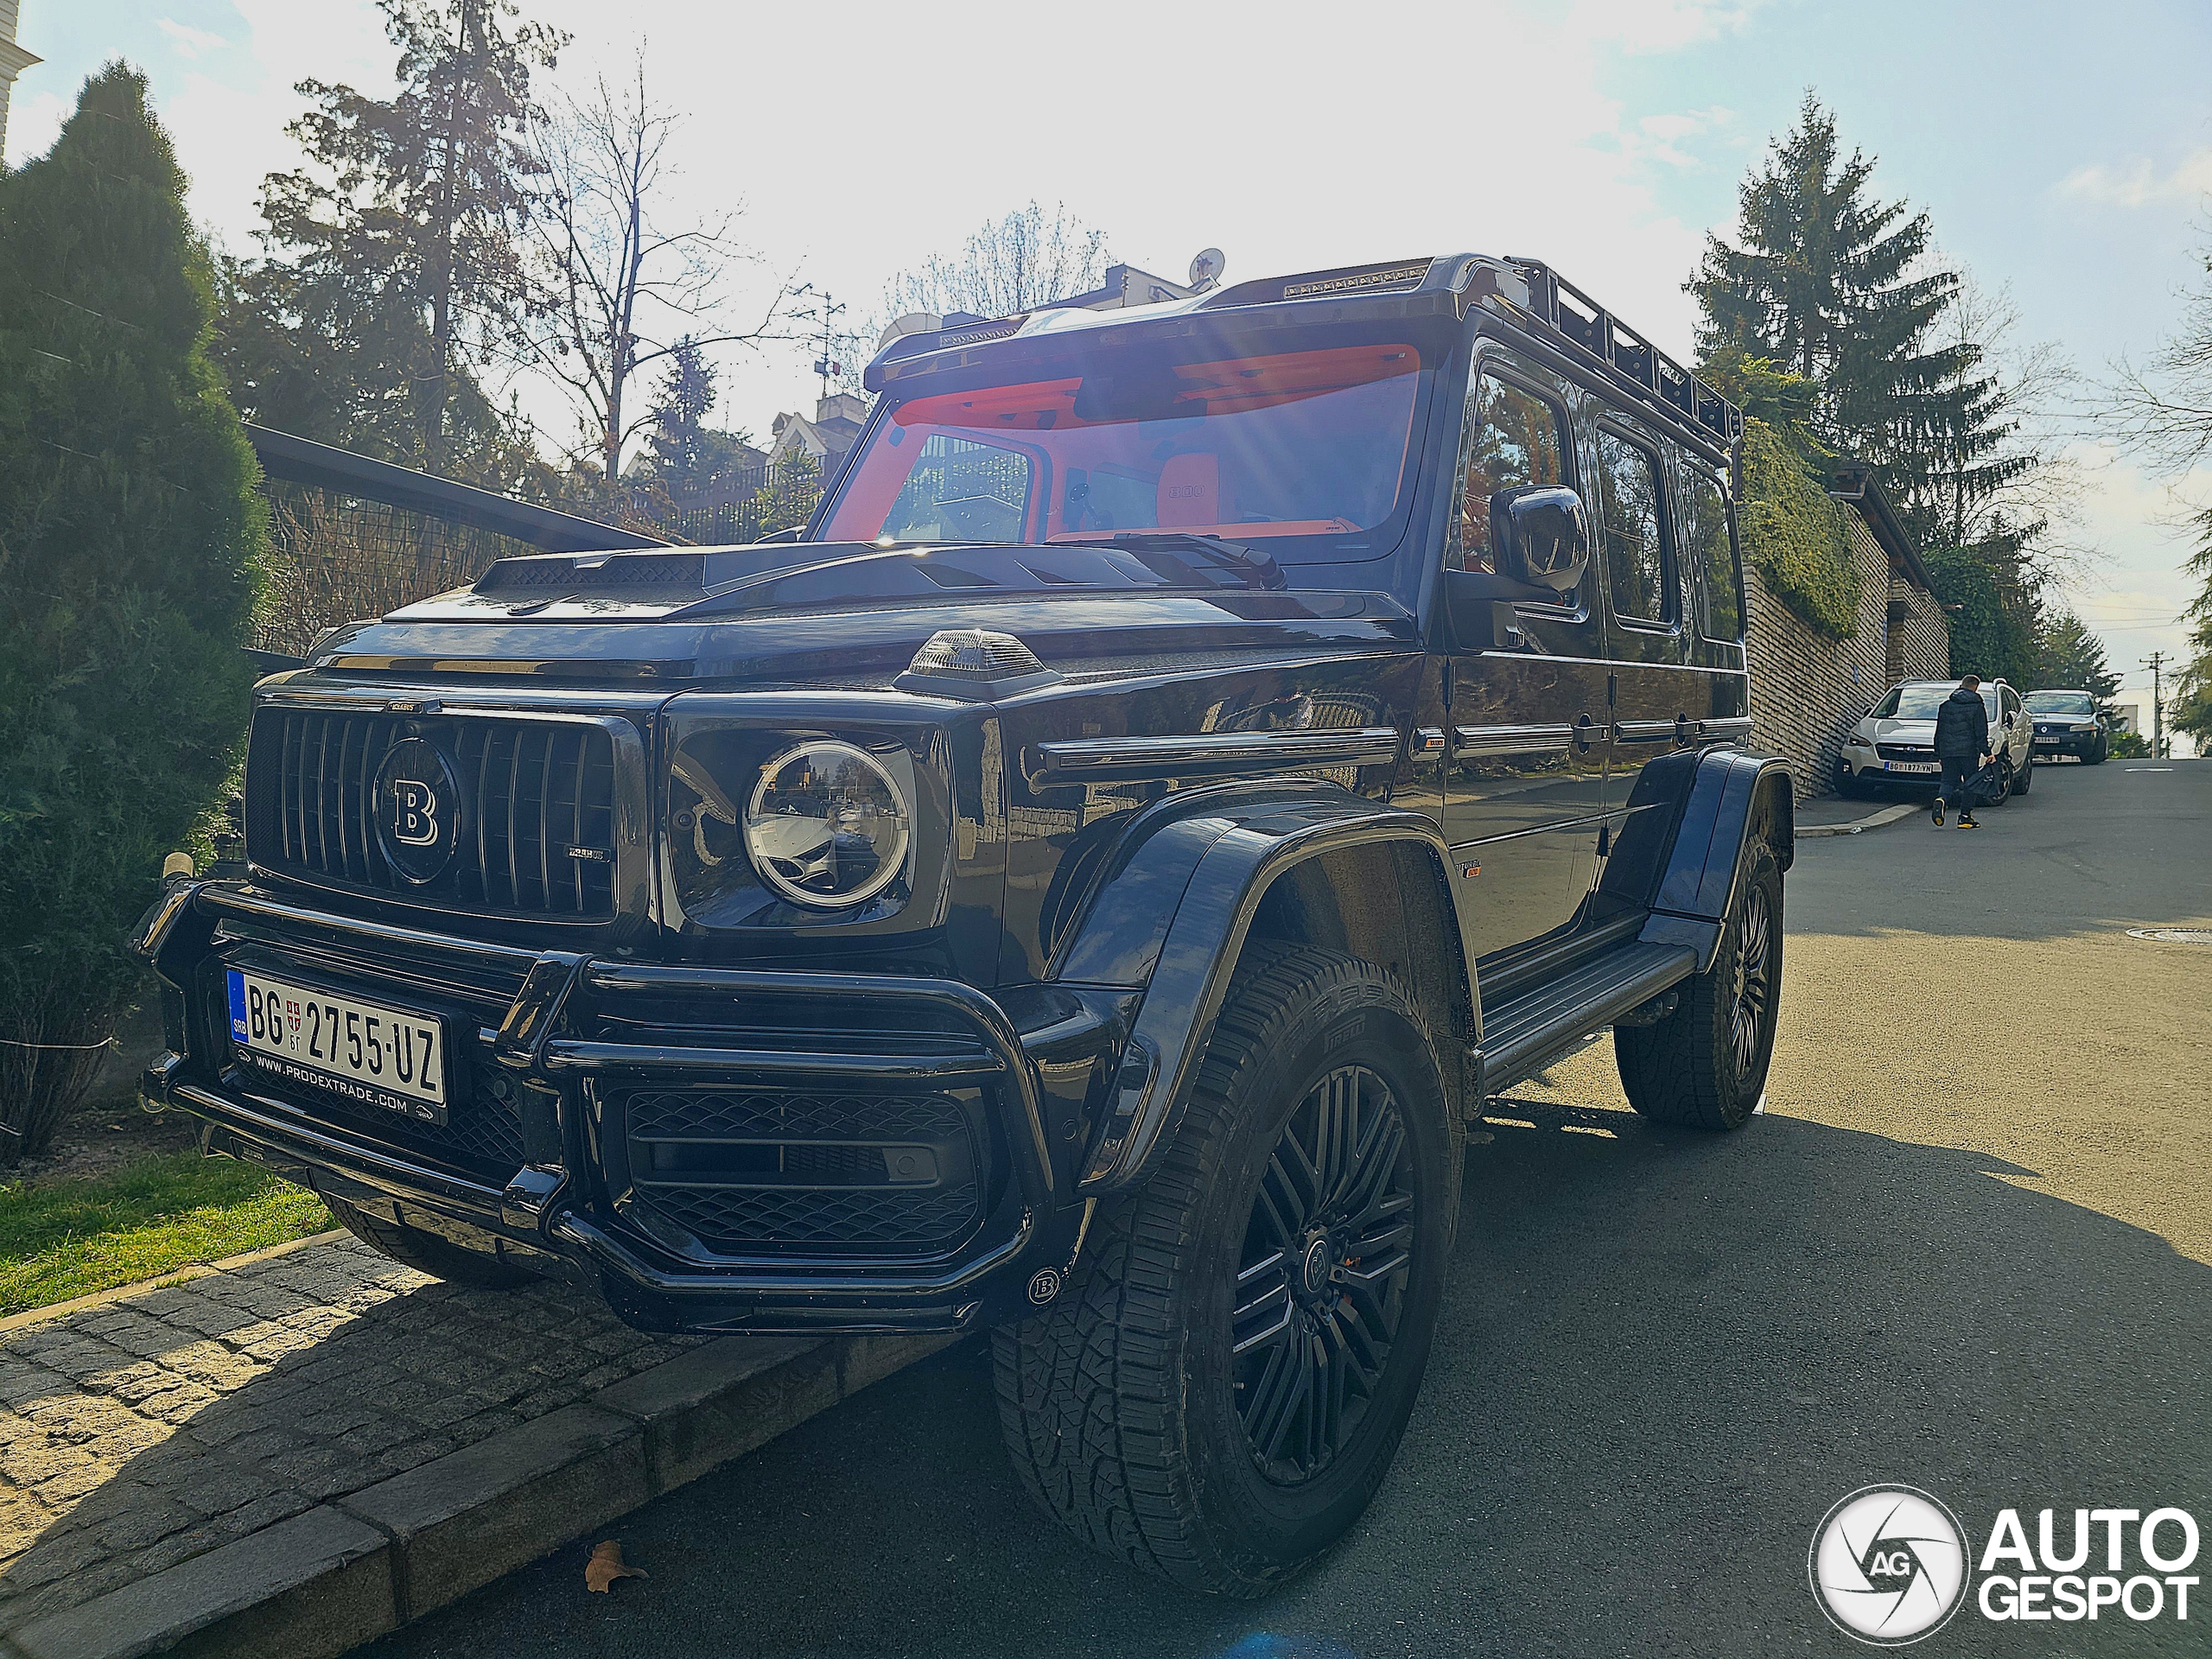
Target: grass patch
pixel 71 1238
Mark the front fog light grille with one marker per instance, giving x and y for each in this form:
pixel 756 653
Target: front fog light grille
pixel 745 1172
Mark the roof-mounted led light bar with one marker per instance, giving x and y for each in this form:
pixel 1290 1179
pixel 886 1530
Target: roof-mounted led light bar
pixel 1528 289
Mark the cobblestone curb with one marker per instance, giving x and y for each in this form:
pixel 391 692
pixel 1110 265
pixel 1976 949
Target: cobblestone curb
pixel 296 1454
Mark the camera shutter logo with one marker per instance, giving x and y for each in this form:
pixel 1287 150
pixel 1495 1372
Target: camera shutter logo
pixel 1889 1566
pixel 417 805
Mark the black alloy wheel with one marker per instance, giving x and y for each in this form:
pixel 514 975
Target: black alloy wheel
pixel 1705 1064
pixel 1322 1277
pixel 1754 978
pixel 1219 1389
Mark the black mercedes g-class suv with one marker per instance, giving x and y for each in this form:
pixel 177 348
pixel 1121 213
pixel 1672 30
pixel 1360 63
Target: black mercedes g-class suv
pixel 1195 755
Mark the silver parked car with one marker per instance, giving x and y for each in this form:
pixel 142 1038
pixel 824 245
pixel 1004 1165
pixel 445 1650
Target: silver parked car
pixel 1894 741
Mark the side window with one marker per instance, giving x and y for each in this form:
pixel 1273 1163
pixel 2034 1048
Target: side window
pixel 1518 440
pixel 1706 549
pixel 1628 509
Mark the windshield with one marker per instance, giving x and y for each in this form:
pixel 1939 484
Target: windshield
pixel 1921 702
pixel 2061 703
pixel 1298 450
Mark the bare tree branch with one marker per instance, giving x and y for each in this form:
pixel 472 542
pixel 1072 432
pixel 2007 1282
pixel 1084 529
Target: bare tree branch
pixel 612 288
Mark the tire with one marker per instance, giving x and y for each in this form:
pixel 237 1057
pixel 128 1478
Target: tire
pixel 1125 1404
pixel 2023 778
pixel 1696 1067
pixel 2010 781
pixel 427 1253
pixel 1846 783
pixel 2096 756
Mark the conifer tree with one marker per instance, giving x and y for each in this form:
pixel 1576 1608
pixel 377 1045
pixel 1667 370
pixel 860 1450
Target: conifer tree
pixel 393 270
pixel 130 542
pixel 1836 287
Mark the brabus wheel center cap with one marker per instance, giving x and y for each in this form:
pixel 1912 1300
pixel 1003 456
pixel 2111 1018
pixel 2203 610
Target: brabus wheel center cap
pixel 1315 1270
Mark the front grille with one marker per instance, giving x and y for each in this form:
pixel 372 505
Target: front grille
pixel 755 1173
pixel 536 834
pixel 1904 751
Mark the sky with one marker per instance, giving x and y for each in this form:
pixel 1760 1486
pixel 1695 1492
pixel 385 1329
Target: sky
pixel 2063 152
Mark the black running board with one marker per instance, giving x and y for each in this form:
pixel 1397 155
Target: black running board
pixel 1524 1034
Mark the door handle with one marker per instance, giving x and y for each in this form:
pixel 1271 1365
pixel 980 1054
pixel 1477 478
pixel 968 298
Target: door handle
pixel 1646 731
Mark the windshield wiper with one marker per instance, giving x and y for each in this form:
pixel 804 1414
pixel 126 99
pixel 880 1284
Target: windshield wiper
pixel 1257 568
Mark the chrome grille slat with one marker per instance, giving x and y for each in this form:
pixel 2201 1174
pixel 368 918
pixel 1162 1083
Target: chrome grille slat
pixel 310 767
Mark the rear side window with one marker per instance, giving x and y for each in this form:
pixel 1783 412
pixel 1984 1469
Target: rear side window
pixel 1519 442
pixel 1628 508
pixel 1706 549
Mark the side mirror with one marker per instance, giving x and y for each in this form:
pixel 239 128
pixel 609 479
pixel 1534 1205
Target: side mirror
pixel 1543 537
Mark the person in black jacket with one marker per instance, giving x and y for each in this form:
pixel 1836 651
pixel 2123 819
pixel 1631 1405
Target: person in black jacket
pixel 1962 744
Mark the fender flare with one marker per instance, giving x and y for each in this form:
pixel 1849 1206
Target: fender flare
pixel 1731 798
pixel 1233 857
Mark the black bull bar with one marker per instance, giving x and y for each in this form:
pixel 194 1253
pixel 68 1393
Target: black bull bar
pixel 542 1216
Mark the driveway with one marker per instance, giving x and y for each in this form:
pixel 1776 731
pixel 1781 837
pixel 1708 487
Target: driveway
pixel 1966 1247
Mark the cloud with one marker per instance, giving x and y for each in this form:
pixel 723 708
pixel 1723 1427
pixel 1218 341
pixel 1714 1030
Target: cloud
pixel 2140 184
pixel 2132 597
pixel 1660 137
pixel 189 42
pixel 1659 25
pixel 35 122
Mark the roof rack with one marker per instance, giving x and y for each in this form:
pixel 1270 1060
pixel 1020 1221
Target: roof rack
pixel 1627 357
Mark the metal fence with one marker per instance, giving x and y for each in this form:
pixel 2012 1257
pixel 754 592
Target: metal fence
pixel 335 558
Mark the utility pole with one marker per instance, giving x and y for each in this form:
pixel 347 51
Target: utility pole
pixel 2154 662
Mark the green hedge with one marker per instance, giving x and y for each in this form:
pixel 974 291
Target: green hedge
pixel 1796 535
pixel 1987 636
pixel 132 538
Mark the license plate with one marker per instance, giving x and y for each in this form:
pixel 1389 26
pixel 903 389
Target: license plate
pixel 381 1056
pixel 1925 767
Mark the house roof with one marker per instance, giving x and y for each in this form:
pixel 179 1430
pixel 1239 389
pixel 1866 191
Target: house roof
pixel 1853 481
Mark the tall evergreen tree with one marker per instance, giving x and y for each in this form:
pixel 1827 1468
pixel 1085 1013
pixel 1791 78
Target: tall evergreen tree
pixel 686 458
pixel 1834 286
pixel 394 271
pixel 130 542
pixel 2069 656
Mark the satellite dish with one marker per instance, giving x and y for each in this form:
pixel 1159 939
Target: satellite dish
pixel 914 322
pixel 1206 269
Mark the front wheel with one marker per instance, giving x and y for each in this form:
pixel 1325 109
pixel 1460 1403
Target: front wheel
pixel 1223 1380
pixel 2025 777
pixel 1704 1066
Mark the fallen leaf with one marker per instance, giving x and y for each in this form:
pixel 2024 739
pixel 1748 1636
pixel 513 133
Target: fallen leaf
pixel 606 1566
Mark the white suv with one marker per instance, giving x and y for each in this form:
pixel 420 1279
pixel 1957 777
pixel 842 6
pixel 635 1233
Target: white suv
pixel 1894 743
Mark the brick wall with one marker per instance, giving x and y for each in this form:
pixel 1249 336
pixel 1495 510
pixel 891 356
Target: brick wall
pixel 1920 641
pixel 1807 689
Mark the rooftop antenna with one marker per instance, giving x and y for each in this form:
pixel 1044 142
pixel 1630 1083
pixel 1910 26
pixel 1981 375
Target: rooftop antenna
pixel 824 312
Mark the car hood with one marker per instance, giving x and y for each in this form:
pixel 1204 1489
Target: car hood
pixel 1899 731
pixel 854 614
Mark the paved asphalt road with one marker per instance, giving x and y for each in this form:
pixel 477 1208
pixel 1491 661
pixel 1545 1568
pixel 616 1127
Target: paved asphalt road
pixel 1965 1249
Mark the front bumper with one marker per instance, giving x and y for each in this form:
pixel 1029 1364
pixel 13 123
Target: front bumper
pixel 2066 743
pixel 1865 767
pixel 577 1040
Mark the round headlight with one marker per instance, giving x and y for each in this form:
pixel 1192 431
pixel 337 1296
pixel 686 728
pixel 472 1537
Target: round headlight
pixel 827 826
